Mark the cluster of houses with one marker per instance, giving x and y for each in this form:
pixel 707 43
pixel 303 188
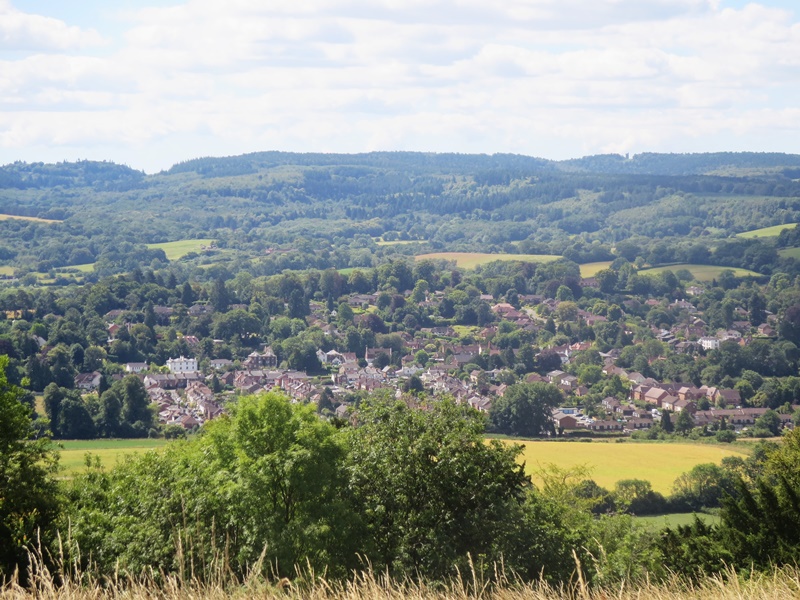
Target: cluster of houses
pixel 183 395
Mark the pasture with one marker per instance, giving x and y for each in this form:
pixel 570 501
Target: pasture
pixel 5 217
pixel 470 260
pixel 773 231
pixel 789 253
pixel 658 522
pixel 179 249
pixel 110 452
pixel 592 269
pixel 609 462
pixel 7 270
pixel 701 272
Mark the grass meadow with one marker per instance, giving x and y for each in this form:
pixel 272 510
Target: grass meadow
pixel 789 253
pixel 110 452
pixel 592 269
pixel 609 462
pixel 701 272
pixel 773 231
pixel 179 249
pixel 470 260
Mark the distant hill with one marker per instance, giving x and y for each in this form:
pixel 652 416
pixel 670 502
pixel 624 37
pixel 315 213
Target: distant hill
pixel 336 204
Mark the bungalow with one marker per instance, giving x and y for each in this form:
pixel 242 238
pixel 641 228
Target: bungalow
pixel 605 426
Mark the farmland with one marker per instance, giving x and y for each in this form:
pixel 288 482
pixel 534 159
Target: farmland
pixel 592 269
pixel 179 249
pixel 110 452
pixel 609 462
pixel 5 217
pixel 470 260
pixel 773 231
pixel 701 272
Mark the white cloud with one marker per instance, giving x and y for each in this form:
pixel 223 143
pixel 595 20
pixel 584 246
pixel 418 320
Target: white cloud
pixel 21 31
pixel 542 77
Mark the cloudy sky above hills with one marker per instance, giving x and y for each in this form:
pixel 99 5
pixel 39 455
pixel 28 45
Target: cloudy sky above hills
pixel 153 82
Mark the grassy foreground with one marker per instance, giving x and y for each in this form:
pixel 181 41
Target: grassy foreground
pixel 782 583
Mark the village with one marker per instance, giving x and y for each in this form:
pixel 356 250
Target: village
pixel 437 361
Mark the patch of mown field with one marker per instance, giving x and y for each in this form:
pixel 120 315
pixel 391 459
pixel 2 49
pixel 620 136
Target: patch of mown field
pixel 658 522
pixel 789 253
pixel 592 269
pixel 609 462
pixel 773 231
pixel 5 217
pixel 110 452
pixel 6 270
pixel 398 242
pixel 470 260
pixel 179 249
pixel 701 272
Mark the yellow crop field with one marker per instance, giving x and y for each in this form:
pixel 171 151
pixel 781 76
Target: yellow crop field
pixel 179 249
pixel 5 217
pixel 609 462
pixel 701 272
pixel 773 231
pixel 470 260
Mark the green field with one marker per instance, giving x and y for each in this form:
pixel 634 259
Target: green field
pixel 83 268
pixel 7 270
pixel 179 249
pixel 657 522
pixel 609 462
pixel 773 231
pixel 790 253
pixel 4 217
pixel 470 260
pixel 110 452
pixel 592 269
pixel 701 272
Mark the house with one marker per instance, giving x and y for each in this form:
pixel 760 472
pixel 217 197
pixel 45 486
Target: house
pixel 709 343
pixel 266 360
pixel 88 381
pixel 182 365
pixel 605 426
pixel 372 353
pixel 564 421
pixel 135 367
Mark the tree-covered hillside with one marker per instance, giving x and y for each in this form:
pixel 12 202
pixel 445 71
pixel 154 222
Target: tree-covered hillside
pixel 330 209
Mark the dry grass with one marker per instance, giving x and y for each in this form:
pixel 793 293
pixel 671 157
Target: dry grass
pixel 782 584
pixel 69 584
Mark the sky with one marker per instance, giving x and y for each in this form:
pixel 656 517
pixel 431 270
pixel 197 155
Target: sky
pixel 150 83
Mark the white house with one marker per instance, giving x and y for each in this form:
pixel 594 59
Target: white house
pixel 709 343
pixel 182 365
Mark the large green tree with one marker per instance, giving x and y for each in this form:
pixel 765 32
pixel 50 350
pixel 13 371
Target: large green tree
pixel 28 492
pixel 432 491
pixel 526 409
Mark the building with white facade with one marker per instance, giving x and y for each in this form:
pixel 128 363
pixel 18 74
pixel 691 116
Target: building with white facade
pixel 182 365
